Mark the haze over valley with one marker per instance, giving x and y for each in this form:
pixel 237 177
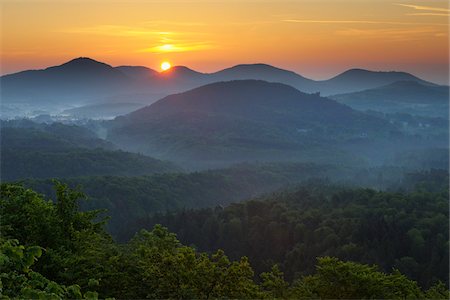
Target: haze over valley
pixel 282 150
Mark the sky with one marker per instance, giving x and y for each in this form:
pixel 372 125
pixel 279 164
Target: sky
pixel 315 38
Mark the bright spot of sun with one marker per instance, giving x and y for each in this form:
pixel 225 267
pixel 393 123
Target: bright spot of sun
pixel 165 66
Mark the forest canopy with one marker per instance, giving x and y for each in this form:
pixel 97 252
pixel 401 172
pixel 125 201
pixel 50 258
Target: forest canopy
pixel 52 250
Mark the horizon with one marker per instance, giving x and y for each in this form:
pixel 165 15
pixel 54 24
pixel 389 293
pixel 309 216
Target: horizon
pixel 221 69
pixel 317 39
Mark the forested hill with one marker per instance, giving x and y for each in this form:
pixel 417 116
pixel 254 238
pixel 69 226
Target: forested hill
pixel 52 251
pixel 31 150
pixel 129 199
pixel 248 120
pixel 404 231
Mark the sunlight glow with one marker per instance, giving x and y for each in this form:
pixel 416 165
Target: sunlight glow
pixel 165 66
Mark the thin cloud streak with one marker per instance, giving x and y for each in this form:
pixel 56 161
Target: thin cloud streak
pixel 430 11
pixel 429 14
pixel 116 30
pixel 178 47
pixel 393 34
pixel 419 7
pixel 125 31
pixel 359 22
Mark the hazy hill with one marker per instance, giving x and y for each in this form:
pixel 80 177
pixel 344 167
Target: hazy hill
pixel 359 79
pixel 264 72
pixel 84 81
pixel 401 97
pixel 242 120
pixel 137 72
pixel 102 110
pixel 48 151
pixel 80 77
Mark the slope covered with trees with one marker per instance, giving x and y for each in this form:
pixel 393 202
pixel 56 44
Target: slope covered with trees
pixel 406 231
pixel 31 150
pixel 248 120
pixel 410 97
pixel 51 250
pixel 130 198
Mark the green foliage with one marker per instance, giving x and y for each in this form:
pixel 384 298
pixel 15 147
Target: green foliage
pixel 18 280
pixel 273 283
pixel 76 259
pixel 129 199
pixel 166 269
pixel 68 236
pixel 335 279
pixel 407 231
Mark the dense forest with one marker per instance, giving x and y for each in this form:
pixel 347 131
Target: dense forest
pixel 52 250
pixel 405 231
pixel 130 198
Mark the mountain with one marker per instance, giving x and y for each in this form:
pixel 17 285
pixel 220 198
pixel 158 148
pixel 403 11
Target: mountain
pixel 359 79
pixel 178 79
pixel 264 72
pixel 242 120
pixel 79 77
pixel 102 110
pixel 181 72
pixel 31 150
pixel 137 72
pixel 84 81
pixel 411 97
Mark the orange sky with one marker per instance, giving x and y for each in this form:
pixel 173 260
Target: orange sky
pixel 316 38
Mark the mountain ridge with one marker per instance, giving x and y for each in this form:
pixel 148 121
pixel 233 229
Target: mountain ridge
pixel 83 81
pixel 241 120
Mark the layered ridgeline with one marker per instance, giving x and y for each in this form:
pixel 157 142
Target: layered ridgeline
pixel 31 150
pixel 245 120
pixel 410 97
pixel 84 81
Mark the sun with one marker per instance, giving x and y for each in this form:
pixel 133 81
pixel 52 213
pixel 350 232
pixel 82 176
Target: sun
pixel 165 66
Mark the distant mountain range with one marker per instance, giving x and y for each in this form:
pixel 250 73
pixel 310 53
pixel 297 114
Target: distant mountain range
pixel 243 120
pixel 84 81
pixel 411 97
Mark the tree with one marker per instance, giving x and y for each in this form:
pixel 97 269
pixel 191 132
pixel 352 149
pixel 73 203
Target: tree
pixel 335 279
pixel 18 280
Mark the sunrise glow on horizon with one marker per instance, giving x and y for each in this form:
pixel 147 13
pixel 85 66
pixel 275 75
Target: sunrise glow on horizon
pixel 165 66
pixel 317 39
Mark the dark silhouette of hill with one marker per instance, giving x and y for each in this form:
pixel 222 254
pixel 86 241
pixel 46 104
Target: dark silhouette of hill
pixel 137 72
pixel 181 72
pixel 241 120
pixel 84 81
pixel 80 77
pixel 359 79
pixel 264 72
pixel 401 97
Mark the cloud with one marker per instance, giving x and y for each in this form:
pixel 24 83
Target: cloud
pixel 179 47
pixel 358 22
pixel 150 28
pixel 164 41
pixel 429 14
pixel 173 23
pixel 395 34
pixel 419 7
pixel 116 30
pixel 430 11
